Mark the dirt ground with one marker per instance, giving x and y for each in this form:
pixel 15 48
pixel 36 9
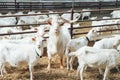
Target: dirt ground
pixel 40 72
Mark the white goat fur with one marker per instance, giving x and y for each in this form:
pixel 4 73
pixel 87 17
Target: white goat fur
pixel 58 37
pixel 93 57
pixel 107 43
pixel 86 14
pixel 57 41
pixel 13 52
pixel 115 14
pixel 77 43
pixel 105 22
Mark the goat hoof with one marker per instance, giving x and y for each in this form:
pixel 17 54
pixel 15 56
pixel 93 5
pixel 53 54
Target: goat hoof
pixel 1 75
pixel 61 67
pixel 67 68
pixel 48 70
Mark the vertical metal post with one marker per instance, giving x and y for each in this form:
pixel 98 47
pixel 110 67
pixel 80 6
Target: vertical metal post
pixel 42 3
pixel 73 4
pixel 116 4
pixel 100 3
pixel 15 6
pixel 30 6
pixel 71 25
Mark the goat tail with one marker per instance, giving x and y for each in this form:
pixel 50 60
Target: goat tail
pixel 72 54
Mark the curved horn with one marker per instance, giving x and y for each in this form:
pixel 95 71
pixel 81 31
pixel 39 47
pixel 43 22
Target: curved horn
pixel 44 21
pixel 71 21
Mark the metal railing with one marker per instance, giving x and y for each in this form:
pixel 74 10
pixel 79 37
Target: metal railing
pixel 71 29
pixel 18 6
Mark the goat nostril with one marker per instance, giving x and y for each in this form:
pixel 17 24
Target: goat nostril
pixel 40 56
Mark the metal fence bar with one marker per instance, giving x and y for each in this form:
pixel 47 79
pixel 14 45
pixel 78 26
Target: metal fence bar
pixel 97 31
pixel 33 14
pixel 45 5
pixel 15 33
pixel 71 25
pixel 60 12
pixel 97 20
pixel 22 32
pixel 2 26
pixel 55 13
pixel 81 27
pixel 69 28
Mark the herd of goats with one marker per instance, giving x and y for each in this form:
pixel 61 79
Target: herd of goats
pixel 105 53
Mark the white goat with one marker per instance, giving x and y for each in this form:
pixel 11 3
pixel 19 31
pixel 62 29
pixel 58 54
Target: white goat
pixel 27 20
pixel 13 53
pixel 107 43
pixel 8 21
pixel 37 17
pixel 58 38
pixel 115 14
pixel 86 14
pixel 77 43
pixel 105 22
pixel 93 57
pixel 67 16
pixel 9 30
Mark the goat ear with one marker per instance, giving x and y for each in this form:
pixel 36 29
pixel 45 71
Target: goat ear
pixel 33 39
pixel 49 22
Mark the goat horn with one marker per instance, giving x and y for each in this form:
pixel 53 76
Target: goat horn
pixel 71 21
